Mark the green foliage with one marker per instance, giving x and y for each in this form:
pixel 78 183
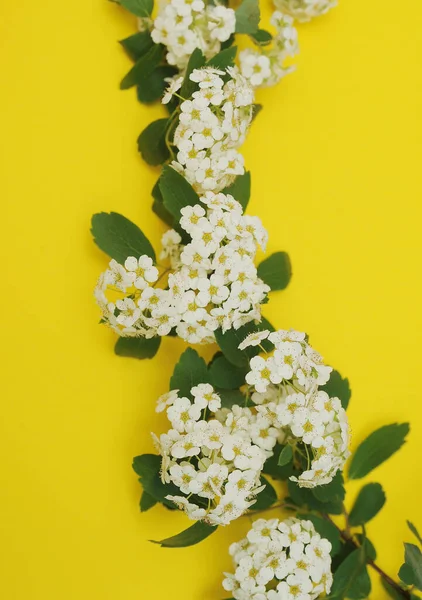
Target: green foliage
pixel 137 347
pixel 176 191
pixel 261 37
pixel 248 17
pixel 325 529
pixel 147 466
pixel 285 456
pixel 338 387
pixel 147 502
pixel 369 502
pixel 142 69
pixel 224 375
pixel 140 8
pixel 118 237
pixel 196 61
pixel 348 580
pixel 303 497
pixel 152 143
pixel 231 397
pixel 332 492
pixel 256 109
pixel 230 340
pixel 368 546
pixel 266 498
pixel 154 84
pixel 189 371
pixel 271 466
pixel 414 531
pixel 395 594
pixel 376 448
pixel 223 59
pixel 189 537
pixel 240 189
pixel 276 271
pixel 137 45
pixel 411 571
pixel 158 205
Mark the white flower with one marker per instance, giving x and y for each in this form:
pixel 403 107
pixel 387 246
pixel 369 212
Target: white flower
pixel 166 400
pixel 141 271
pixel 254 339
pixel 174 85
pixel 205 397
pixel 183 414
pixel 265 568
pixel 305 10
pixel 208 458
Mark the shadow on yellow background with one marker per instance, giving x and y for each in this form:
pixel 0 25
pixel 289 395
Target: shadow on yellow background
pixel 335 160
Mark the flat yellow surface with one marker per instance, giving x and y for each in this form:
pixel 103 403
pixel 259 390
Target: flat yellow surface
pixel 335 157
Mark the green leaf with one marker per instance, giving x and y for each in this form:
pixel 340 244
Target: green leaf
pixel 346 574
pixel 231 397
pixel 392 592
pixel 276 271
pixel 147 502
pixel 261 37
pixel 248 17
pixel 189 371
pixel 413 559
pixel 152 143
pixel 361 586
pixel 225 375
pixel 137 45
pixel 158 205
pixel 142 69
pixel 406 574
pixel 230 340
pixel 140 8
pixel 189 537
pixel 326 529
pixel 256 109
pixel 331 492
pixel 119 238
pixel 223 59
pixel 285 456
pixel 368 546
pixel 305 497
pixel 152 88
pixel 338 387
pixel 414 531
pixel 196 61
pixel 137 347
pixel 369 502
pixel 240 189
pixel 271 466
pixel 376 448
pixel 147 466
pixel 176 191
pixel 266 498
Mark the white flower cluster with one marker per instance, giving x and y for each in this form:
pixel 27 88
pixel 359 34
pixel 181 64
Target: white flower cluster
pixel 214 282
pixel 280 560
pixel 183 25
pixel 264 67
pixel 215 464
pixel 284 387
pixel 305 10
pixel 132 315
pixel 212 125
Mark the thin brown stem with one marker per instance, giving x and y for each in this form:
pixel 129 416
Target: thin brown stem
pixel 347 537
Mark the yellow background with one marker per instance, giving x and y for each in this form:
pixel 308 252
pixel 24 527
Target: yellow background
pixel 335 157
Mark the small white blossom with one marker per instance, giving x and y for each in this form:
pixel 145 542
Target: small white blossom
pixel 277 560
pixel 305 10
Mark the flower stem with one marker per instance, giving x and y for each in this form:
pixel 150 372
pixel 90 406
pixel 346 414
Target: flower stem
pixel 347 537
